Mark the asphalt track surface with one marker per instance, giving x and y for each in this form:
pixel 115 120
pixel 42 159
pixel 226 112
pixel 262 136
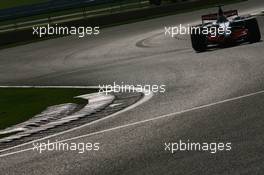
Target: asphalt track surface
pixel 139 53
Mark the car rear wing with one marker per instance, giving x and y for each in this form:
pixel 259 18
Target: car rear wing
pixel 208 17
pixel 231 13
pixel 214 16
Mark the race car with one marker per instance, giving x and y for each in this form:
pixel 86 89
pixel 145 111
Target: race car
pixel 224 29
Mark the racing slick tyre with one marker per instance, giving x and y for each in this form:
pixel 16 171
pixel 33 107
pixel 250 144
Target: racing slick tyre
pixel 199 42
pixel 253 29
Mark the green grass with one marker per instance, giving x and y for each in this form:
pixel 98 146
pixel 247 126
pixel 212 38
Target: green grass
pixel 19 104
pixel 14 3
pixel 88 8
pixel 119 7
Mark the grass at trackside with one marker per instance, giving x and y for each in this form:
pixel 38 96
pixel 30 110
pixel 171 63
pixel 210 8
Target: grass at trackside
pixel 108 7
pixel 19 104
pixel 120 6
pixel 15 3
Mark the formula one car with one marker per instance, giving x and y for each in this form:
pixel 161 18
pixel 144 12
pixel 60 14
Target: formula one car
pixel 223 29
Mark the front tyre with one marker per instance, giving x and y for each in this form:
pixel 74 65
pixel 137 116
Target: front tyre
pixel 199 41
pixel 253 30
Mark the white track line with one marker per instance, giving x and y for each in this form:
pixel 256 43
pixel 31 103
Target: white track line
pixel 148 120
pixel 147 95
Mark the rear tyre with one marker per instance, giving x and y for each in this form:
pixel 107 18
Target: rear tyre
pixel 199 41
pixel 253 29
